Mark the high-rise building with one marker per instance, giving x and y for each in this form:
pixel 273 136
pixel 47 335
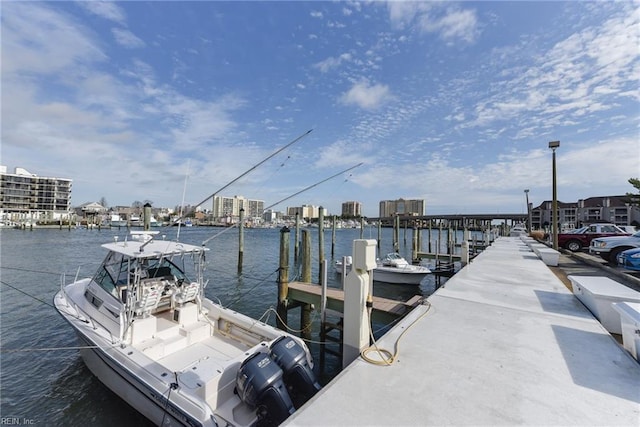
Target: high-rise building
pixel 305 211
pixel 352 209
pixel 229 207
pixel 25 194
pixel 413 207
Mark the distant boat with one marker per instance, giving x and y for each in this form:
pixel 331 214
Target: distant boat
pixel 393 269
pixel 117 221
pixel 154 338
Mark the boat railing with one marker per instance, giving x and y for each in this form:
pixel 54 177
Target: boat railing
pixel 83 313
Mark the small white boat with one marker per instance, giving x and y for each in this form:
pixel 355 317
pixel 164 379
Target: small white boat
pixel 117 221
pixel 152 337
pixel 392 269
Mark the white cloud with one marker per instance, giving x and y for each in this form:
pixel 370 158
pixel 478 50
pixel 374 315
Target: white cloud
pixel 105 9
pixel 127 39
pixel 365 96
pixel 449 22
pixel 332 62
pixel 455 24
pixel 39 40
pixel 316 14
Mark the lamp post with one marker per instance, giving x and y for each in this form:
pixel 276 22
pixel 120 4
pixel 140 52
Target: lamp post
pixel 529 225
pixel 554 214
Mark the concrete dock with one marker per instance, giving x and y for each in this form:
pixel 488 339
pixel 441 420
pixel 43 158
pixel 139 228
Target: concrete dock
pixel 504 342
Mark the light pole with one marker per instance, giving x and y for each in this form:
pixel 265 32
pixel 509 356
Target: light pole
pixel 529 225
pixel 554 214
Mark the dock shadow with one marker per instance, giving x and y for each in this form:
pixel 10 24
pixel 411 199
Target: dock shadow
pixel 561 303
pixel 595 362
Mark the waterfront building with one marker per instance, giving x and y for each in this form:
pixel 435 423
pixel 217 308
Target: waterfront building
pixel 27 196
pixel 413 207
pixel 352 209
pixel 613 209
pixel 228 208
pixel 306 211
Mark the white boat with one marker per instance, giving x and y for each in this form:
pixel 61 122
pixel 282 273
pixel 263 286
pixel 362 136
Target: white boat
pixel 152 337
pixel 117 221
pixel 392 269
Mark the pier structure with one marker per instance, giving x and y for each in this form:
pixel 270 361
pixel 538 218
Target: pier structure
pixel 504 342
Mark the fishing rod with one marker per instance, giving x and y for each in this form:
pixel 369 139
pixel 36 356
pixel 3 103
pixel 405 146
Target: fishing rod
pixel 286 198
pixel 245 173
pixel 311 186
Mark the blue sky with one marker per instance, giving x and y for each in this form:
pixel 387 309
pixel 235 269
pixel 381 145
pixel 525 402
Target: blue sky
pixel 451 102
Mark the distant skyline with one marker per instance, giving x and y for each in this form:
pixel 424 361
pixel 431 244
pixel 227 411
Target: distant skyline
pixel 450 102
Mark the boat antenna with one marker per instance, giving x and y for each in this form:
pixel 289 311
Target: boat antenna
pixel 286 198
pixel 184 191
pixel 248 171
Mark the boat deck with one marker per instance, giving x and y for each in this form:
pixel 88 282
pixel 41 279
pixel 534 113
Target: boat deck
pixel 504 342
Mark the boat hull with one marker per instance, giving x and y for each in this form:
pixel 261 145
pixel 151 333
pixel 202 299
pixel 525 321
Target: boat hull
pixel 393 276
pixel 398 278
pixel 105 361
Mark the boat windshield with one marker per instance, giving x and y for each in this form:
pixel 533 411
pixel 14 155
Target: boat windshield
pixel 118 270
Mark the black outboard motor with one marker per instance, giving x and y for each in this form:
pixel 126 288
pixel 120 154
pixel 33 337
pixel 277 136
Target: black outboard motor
pixel 259 385
pixel 298 375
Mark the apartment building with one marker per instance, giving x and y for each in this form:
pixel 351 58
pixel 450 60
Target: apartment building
pixel 24 195
pixel 613 209
pixel 352 209
pixel 413 207
pixel 229 207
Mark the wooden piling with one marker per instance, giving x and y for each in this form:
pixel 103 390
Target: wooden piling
pixel 283 279
pixel 333 235
pixel 296 244
pixel 320 243
pixel 306 256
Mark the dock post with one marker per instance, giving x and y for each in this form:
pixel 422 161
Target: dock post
pixel 296 244
pixel 429 236
pixel 305 309
pixel 396 233
pixel 283 279
pixel 379 232
pixel 357 297
pixel 362 227
pixel 240 241
pixel 414 245
pixel 464 253
pixel 333 236
pixel 305 252
pixel 320 242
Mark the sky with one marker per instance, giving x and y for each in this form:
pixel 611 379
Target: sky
pixel 451 102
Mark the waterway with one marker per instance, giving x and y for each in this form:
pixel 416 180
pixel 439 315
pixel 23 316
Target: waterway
pixel 42 378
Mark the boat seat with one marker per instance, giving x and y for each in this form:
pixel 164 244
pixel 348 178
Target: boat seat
pixel 151 292
pixel 186 293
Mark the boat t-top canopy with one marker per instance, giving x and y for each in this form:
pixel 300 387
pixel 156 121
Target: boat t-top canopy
pixel 143 245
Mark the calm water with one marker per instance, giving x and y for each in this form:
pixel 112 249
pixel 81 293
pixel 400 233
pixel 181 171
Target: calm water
pixel 53 387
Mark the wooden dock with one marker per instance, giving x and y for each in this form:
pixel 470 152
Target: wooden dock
pixel 384 310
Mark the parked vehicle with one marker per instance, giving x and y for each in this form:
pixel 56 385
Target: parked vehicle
pixel 580 238
pixel 630 259
pixel 609 247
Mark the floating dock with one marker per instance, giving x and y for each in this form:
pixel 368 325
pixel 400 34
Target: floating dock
pixel 503 342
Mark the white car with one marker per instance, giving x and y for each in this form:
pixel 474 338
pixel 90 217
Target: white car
pixel 609 247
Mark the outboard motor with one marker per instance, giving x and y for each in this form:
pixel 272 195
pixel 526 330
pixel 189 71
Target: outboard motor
pixel 259 385
pixel 298 375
